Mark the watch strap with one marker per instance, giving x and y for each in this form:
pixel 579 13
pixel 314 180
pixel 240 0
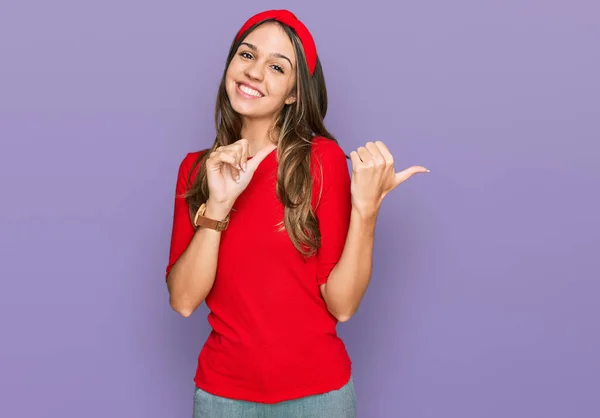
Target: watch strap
pixel 202 221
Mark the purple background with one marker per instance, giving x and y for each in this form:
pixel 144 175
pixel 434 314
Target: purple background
pixel 484 298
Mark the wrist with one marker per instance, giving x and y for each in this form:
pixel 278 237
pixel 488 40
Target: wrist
pixel 217 211
pixel 366 211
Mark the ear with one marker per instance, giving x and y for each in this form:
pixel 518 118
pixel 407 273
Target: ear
pixel 291 99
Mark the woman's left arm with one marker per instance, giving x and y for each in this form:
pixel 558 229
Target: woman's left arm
pixel 373 177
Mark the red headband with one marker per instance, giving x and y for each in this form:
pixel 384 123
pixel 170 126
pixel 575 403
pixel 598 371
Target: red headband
pixel 286 17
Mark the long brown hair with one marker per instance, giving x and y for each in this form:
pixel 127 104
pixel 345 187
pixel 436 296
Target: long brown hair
pixel 297 124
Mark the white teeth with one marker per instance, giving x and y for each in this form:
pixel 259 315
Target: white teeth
pixel 250 91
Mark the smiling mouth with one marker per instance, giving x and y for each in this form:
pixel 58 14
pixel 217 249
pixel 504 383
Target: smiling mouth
pixel 249 91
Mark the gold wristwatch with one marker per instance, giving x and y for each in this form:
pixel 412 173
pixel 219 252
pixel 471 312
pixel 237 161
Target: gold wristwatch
pixel 201 221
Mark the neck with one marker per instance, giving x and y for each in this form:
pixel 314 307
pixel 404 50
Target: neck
pixel 257 133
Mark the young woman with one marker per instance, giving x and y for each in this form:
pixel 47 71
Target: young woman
pixel 273 234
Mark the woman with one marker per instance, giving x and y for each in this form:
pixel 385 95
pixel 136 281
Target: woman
pixel 270 230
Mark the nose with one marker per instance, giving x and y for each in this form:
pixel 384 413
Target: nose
pixel 255 70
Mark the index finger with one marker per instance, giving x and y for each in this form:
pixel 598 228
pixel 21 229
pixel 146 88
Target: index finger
pixel 259 156
pixel 387 155
pixel 244 158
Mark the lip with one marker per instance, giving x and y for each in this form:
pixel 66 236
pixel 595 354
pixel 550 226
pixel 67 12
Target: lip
pixel 250 86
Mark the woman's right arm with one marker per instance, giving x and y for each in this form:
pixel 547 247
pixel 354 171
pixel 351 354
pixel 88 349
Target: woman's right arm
pixel 194 253
pixel 193 274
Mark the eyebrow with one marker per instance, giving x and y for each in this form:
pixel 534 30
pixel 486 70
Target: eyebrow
pixel 274 54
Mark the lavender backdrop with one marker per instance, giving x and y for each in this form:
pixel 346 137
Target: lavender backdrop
pixel 484 299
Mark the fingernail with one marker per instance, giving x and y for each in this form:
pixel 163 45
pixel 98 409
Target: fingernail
pixel 237 179
pixel 244 166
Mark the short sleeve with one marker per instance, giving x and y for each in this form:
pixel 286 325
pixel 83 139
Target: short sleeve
pixel 182 229
pixel 333 204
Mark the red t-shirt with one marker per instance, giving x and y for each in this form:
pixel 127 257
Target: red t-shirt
pixel 272 337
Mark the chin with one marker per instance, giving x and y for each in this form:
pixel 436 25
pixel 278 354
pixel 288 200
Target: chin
pixel 248 109
pixel 243 109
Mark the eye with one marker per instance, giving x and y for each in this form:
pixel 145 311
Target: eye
pixel 246 55
pixel 278 68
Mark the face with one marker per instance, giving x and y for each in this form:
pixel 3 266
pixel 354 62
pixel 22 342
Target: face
pixel 261 76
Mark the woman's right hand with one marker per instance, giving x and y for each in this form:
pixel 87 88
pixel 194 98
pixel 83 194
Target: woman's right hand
pixel 229 172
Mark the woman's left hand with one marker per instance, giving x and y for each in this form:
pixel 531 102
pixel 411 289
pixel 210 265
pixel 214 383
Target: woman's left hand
pixel 374 176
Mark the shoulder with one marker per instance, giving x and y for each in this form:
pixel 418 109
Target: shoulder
pixel 327 148
pixel 188 170
pixel 329 164
pixel 189 162
pixel 327 155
